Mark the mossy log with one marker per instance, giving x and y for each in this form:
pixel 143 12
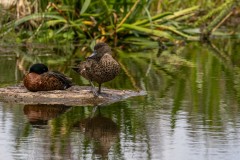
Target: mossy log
pixel 75 95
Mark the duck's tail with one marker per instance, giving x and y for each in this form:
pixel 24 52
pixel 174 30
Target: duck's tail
pixel 67 81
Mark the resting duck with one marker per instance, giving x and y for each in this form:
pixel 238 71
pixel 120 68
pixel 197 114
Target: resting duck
pixel 40 79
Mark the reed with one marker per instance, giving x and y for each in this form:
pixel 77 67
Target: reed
pixel 86 21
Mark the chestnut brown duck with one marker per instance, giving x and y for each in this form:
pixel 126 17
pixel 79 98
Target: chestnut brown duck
pixel 99 67
pixel 40 78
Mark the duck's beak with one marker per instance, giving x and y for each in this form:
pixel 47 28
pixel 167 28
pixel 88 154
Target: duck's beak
pixel 93 54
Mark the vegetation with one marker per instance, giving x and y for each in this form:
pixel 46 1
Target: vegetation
pixel 85 21
pixel 204 91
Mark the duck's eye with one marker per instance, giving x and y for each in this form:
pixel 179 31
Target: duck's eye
pixel 45 69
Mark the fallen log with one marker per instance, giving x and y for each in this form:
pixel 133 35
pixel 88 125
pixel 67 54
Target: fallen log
pixel 75 95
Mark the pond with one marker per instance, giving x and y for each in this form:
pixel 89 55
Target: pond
pixel 191 110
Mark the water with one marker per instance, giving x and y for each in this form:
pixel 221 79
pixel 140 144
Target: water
pixel 191 110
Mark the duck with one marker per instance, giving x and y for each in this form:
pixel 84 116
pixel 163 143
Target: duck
pixel 39 78
pixel 99 67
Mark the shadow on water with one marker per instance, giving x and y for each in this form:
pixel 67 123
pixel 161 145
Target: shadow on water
pixel 191 110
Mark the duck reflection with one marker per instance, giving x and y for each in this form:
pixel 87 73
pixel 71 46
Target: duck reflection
pixel 102 131
pixel 38 115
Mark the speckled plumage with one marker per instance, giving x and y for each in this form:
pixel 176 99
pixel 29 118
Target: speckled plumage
pixel 100 67
pixel 40 79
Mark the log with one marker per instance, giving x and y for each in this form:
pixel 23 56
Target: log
pixel 75 95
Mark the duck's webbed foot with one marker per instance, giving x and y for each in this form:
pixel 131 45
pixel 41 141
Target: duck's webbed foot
pixel 95 93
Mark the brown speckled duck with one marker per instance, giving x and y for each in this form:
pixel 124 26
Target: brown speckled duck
pixel 40 79
pixel 99 67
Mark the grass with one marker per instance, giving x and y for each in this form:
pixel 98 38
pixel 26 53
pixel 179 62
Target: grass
pixel 86 21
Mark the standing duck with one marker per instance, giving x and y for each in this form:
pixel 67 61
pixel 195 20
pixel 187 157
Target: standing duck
pixel 40 79
pixel 99 67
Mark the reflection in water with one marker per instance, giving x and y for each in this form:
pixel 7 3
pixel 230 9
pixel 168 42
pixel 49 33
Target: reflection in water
pixel 39 114
pixel 191 110
pixel 102 131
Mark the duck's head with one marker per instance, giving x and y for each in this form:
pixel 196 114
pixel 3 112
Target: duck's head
pixel 99 50
pixel 38 68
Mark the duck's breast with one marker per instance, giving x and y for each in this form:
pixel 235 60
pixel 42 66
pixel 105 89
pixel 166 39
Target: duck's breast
pixel 32 81
pixel 107 69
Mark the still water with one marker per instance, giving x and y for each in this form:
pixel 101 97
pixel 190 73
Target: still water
pixel 191 110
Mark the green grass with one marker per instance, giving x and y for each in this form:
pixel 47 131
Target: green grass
pixel 86 21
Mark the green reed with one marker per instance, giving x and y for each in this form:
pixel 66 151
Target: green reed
pixel 86 21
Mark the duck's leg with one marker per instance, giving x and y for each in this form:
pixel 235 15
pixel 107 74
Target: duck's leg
pixel 99 88
pixel 95 93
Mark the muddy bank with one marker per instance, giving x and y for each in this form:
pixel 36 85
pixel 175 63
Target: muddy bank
pixel 75 95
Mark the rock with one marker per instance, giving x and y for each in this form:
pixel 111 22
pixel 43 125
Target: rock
pixel 75 95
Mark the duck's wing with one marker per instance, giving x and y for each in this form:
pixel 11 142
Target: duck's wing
pixel 61 77
pixel 109 63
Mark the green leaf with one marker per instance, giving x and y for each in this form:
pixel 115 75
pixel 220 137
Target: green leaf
pixel 36 16
pixel 55 22
pixel 157 33
pixel 156 17
pixel 85 6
